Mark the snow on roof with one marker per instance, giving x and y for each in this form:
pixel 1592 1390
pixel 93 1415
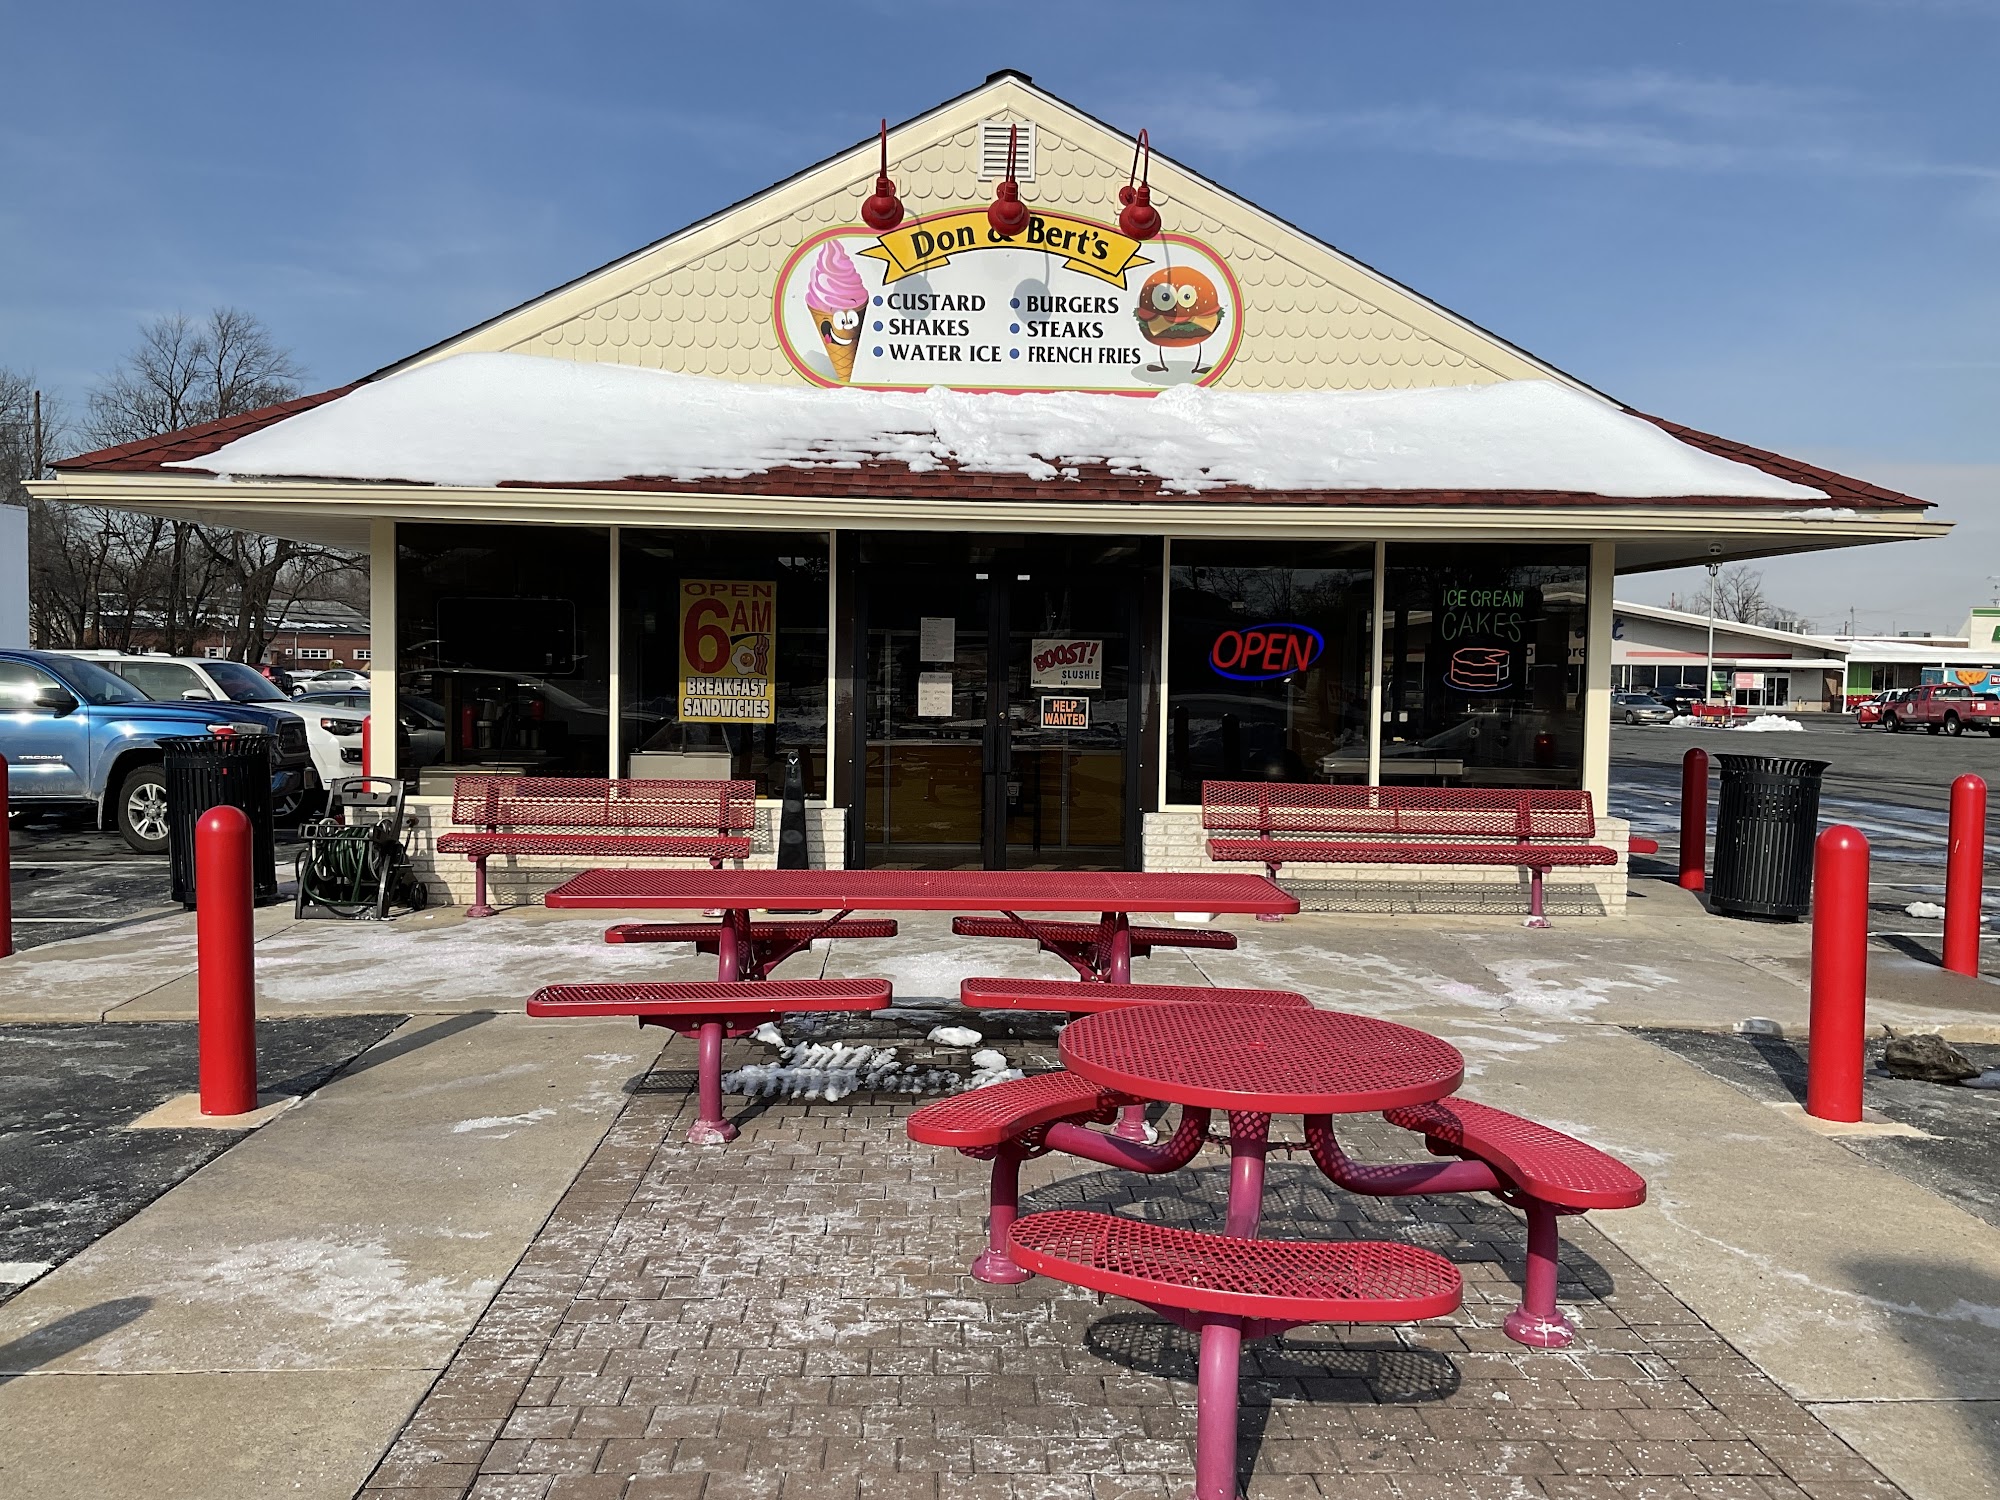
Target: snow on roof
pixel 484 419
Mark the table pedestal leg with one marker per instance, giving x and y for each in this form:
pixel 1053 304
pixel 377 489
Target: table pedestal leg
pixel 709 1128
pixel 1215 1408
pixel 1132 1125
pixel 1537 1322
pixel 1248 1135
pixel 995 1264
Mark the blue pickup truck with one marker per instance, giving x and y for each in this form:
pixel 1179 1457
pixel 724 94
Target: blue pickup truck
pixel 78 736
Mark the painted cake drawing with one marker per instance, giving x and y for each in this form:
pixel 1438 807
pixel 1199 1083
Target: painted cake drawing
pixel 1480 669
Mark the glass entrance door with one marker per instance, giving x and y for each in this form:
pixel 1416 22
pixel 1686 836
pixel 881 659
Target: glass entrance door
pixel 995 701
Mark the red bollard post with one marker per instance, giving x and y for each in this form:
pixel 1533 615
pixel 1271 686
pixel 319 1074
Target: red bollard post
pixel 1694 820
pixel 1839 974
pixel 1964 874
pixel 367 739
pixel 6 869
pixel 225 1006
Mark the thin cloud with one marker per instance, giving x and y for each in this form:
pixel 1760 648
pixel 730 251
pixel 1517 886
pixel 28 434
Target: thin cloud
pixel 1641 119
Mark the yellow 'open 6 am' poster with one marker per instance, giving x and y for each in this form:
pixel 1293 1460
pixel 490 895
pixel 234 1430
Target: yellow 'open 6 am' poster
pixel 729 647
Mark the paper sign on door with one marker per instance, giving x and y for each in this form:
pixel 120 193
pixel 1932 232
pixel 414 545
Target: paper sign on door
pixel 1061 662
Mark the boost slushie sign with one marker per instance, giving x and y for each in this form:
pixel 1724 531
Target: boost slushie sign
pixel 729 648
pixel 1066 305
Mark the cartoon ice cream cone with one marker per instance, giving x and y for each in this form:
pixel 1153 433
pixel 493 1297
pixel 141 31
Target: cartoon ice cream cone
pixel 837 301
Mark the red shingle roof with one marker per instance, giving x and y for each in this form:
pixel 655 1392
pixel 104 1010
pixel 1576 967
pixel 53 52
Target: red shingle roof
pixel 150 455
pixel 1092 483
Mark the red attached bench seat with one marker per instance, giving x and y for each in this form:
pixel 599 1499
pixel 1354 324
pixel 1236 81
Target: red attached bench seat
pixel 1009 1123
pixel 1275 824
pixel 708 1012
pixel 1086 946
pixel 1076 999
pixel 1541 1171
pixel 771 943
pixel 1228 1289
pixel 597 816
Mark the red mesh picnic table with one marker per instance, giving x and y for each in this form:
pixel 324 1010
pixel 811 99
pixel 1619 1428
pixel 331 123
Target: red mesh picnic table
pixel 1259 1061
pixel 1113 895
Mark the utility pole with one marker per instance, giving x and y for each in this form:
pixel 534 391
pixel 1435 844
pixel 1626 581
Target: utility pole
pixel 38 435
pixel 1708 683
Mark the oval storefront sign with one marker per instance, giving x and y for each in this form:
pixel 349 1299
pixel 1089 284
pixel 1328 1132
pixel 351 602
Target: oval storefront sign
pixel 1263 652
pixel 1067 305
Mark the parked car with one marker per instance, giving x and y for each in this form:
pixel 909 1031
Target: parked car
pixel 1867 715
pixel 330 680
pixel 1640 708
pixel 197 679
pixel 419 731
pixel 271 672
pixel 77 736
pixel 1943 709
pixel 1681 697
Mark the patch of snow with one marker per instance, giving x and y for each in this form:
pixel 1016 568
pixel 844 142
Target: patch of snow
pixel 481 419
pixel 1990 1079
pixel 1685 721
pixel 1828 513
pixel 1770 724
pixel 1194 916
pixel 989 1059
pixel 494 1122
pixel 1923 909
pixel 954 1036
pixel 1759 1026
pixel 768 1034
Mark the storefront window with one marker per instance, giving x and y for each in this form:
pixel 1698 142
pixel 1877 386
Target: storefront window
pixel 746 612
pixel 1268 648
pixel 1483 661
pixel 502 638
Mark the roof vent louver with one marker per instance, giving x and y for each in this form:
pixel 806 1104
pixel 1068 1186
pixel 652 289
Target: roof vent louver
pixel 993 150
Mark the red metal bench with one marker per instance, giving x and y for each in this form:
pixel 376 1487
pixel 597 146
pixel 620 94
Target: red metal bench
pixel 1087 999
pixel 1226 1290
pixel 1012 1122
pixel 1306 823
pixel 709 1012
pixel 597 816
pixel 1086 946
pixel 1541 1171
pixel 771 943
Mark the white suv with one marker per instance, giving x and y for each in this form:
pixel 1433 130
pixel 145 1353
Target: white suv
pixel 173 679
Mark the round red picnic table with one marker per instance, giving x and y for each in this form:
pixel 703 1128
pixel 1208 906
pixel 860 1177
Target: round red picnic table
pixel 1256 1063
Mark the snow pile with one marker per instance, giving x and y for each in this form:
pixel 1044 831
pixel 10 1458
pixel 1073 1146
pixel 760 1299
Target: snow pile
pixel 1770 724
pixel 480 419
pixel 833 1070
pixel 1923 909
pixel 1685 721
pixel 954 1036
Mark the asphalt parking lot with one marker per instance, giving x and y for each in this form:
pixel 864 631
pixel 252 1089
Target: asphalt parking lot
pixel 1895 788
pixel 72 880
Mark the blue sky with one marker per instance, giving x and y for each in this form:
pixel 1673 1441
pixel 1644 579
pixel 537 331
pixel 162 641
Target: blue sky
pixel 1775 219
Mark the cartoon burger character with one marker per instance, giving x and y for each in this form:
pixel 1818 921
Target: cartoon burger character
pixel 837 301
pixel 1177 308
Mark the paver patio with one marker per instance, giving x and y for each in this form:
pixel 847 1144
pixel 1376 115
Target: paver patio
pixel 789 1317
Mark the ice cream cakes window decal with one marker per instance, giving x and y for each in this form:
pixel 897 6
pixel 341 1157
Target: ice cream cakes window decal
pixel 1067 305
pixel 1264 652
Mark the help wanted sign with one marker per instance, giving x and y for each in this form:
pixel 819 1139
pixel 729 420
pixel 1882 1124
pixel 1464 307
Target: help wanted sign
pixel 1065 663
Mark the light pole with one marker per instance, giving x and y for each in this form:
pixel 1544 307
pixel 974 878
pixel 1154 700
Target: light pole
pixel 1708 682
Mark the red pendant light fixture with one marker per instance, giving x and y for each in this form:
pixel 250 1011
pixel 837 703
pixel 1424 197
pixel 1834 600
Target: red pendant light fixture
pixel 1008 214
pixel 1138 217
pixel 884 210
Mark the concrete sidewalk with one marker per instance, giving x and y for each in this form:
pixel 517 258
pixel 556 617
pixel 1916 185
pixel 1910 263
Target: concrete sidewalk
pixel 282 1311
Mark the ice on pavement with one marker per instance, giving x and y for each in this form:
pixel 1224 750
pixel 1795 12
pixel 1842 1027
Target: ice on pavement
pixel 484 419
pixel 1923 909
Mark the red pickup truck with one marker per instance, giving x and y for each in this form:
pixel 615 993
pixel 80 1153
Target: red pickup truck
pixel 1938 707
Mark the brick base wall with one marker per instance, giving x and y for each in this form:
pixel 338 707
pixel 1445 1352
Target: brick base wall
pixel 1175 840
pixel 521 880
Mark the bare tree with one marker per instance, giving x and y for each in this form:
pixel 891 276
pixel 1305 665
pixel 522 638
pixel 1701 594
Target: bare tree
pixel 1737 593
pixel 114 578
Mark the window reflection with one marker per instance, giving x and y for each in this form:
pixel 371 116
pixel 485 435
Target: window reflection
pixel 1268 653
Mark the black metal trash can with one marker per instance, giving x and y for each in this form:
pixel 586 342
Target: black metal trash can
pixel 1765 822
pixel 220 770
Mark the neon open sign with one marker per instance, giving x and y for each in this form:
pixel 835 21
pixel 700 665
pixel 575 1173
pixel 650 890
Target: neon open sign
pixel 1265 651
